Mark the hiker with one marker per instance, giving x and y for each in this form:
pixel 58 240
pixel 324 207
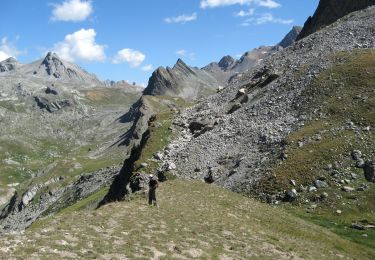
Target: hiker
pixel 153 184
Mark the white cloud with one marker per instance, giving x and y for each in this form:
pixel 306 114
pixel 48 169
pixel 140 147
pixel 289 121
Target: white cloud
pixel 72 11
pixel 269 18
pixel 186 54
pixel 218 3
pixel 7 49
pixel 185 18
pixel 147 68
pixel 243 13
pixel 133 57
pixel 268 3
pixel 80 45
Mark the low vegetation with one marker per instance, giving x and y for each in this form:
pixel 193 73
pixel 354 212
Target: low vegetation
pixel 194 220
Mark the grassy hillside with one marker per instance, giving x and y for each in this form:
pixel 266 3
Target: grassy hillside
pixel 194 220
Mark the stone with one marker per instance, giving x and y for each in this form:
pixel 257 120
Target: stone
pixel 328 167
pixel 357 226
pixel 293 182
pixel 360 163
pixel 338 212
pixel 363 187
pixel 320 184
pixel 313 206
pixel 347 189
pixel 51 90
pixel 219 89
pixel 144 165
pixel 369 171
pixel 290 195
pixel 159 156
pixel 324 195
pixel 171 166
pixel 366 129
pixel 356 154
pixel 312 189
pixel 234 108
pixel 241 92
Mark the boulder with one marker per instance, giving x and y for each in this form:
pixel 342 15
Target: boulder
pixel 369 170
pixel 234 108
pixel 347 189
pixel 356 154
pixel 290 195
pixel 51 90
pixel 320 184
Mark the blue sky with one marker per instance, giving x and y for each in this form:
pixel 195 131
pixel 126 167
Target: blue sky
pixel 129 39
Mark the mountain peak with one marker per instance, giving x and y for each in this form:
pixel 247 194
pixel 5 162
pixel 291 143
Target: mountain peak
pixel 291 37
pixel 9 64
pixel 180 63
pixel 11 60
pixel 226 62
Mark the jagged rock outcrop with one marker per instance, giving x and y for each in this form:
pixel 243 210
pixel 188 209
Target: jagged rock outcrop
pixel 52 106
pixel 141 113
pixel 291 37
pixel 9 64
pixel 330 11
pixel 22 211
pixel 181 81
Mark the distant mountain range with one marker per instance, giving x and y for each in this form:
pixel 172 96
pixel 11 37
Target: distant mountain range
pixel 191 83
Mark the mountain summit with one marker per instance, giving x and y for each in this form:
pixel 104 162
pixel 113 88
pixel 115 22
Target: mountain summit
pixel 180 81
pixel 291 37
pixel 50 68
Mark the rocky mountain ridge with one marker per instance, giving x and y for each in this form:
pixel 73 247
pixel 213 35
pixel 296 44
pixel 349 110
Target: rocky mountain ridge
pixel 51 68
pixel 330 11
pixel 191 83
pixel 181 81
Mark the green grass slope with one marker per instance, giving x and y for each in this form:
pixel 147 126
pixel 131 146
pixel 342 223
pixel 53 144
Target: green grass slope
pixel 194 220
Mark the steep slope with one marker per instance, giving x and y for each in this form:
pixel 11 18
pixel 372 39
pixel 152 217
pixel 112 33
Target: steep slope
pixel 253 116
pixel 329 11
pixel 194 221
pixel 181 81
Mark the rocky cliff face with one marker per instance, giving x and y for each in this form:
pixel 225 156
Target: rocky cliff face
pixel 181 81
pixel 329 11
